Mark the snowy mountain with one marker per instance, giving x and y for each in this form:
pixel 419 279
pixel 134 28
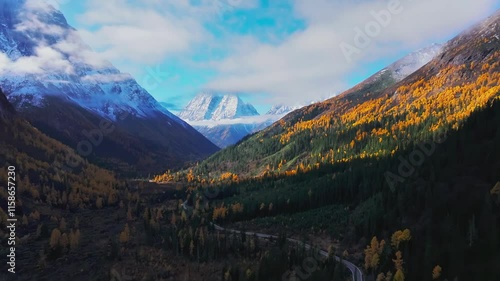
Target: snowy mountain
pixel 42 55
pixel 50 75
pixel 412 62
pixel 392 74
pixel 225 119
pixel 207 106
pixel 281 109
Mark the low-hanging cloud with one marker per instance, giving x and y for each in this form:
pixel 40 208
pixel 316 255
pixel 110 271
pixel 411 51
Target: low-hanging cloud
pixel 247 120
pixel 106 78
pixel 44 60
pixel 48 57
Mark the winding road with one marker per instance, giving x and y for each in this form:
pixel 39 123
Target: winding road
pixel 357 274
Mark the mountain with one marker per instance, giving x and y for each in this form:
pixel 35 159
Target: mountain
pixel 418 158
pixel 391 74
pixel 226 135
pixel 40 161
pixel 6 108
pixel 225 119
pixel 281 109
pixel 207 106
pixel 66 90
pixel 409 64
pixel 381 115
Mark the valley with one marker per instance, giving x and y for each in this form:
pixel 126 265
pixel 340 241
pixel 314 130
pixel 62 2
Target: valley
pixel 394 179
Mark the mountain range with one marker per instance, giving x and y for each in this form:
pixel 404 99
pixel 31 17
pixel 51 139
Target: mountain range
pixel 364 115
pixel 410 160
pixel 394 179
pixel 225 119
pixel 60 85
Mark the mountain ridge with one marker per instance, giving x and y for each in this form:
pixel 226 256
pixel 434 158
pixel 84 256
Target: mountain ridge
pixel 50 74
pixel 350 125
pixel 225 119
pixel 212 106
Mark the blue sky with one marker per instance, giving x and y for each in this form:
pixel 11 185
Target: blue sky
pixel 270 51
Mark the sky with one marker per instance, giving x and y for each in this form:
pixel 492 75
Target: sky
pixel 269 51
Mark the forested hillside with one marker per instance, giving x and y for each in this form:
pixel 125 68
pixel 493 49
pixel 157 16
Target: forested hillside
pixel 448 200
pixel 415 163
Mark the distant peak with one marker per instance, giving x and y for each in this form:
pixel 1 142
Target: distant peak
pixel 216 106
pixel 414 61
pixel 281 109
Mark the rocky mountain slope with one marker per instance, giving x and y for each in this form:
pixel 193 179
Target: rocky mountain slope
pixel 66 90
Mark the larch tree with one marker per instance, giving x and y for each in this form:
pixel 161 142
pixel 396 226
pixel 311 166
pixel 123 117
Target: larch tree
pixel 399 276
pixel 125 234
pixel 54 238
pixel 436 272
pixel 398 261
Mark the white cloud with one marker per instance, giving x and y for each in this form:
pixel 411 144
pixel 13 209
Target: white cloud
pixel 46 59
pixel 143 34
pixel 310 64
pixel 248 120
pixel 107 78
pixel 79 53
pixel 59 57
pixel 306 65
pixel 31 13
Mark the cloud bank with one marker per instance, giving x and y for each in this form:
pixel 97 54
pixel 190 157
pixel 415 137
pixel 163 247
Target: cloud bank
pixel 310 62
pixel 216 39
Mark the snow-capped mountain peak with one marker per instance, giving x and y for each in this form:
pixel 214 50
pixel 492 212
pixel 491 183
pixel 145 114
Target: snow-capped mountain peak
pixel 281 109
pixel 209 106
pixel 225 118
pixel 54 80
pixel 412 62
pixel 41 55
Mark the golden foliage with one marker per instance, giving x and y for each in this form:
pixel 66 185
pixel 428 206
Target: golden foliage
pixel 400 236
pixel 436 272
pixel 398 261
pixel 125 234
pixel 399 276
pixel 219 212
pixel 373 252
pixel 54 238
